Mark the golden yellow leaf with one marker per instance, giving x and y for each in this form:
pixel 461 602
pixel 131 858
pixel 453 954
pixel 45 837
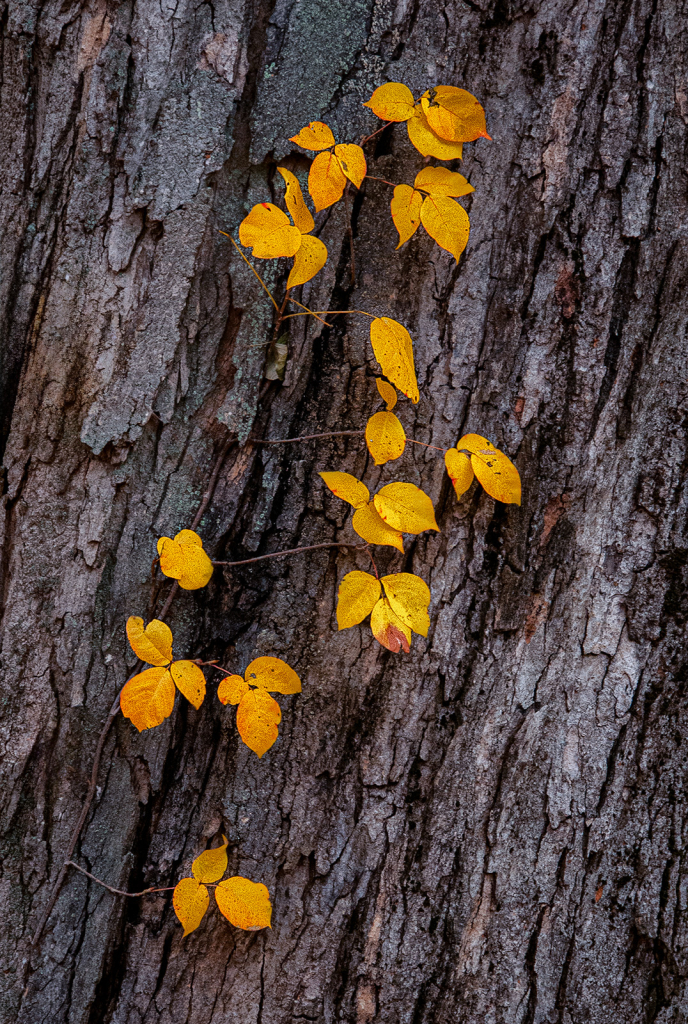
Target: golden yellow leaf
pixel 368 525
pixel 211 865
pixel 446 222
pixel 183 559
pixel 440 181
pixel 232 689
pixel 392 102
pixel 409 597
pixel 326 181
pixel 460 470
pixel 309 260
pixel 348 488
pixel 293 197
pixel 148 698
pixel 388 394
pixel 495 471
pixel 393 350
pixel 429 144
pixel 245 904
pixel 269 232
pixel 405 207
pixel 188 537
pixel 189 680
pixel 388 629
pixel 258 716
pixel 358 594
pixel 190 900
pixel 405 507
pixel 352 161
pixel 385 437
pixel 315 136
pixel 465 108
pixel 152 644
pixel 273 674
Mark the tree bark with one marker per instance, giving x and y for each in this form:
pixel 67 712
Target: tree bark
pixel 491 828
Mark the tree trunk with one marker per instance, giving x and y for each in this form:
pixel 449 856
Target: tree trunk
pixel 491 828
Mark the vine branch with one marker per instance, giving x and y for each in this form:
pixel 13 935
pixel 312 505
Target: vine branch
pixel 110 888
pixel 308 437
pixel 297 551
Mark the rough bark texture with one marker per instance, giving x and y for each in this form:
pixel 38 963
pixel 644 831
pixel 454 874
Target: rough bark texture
pixel 492 828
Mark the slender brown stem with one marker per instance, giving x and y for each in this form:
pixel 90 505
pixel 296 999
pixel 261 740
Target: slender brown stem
pixel 427 445
pixel 110 888
pixel 210 489
pixel 373 178
pixel 309 437
pixel 350 234
pixel 248 264
pixel 377 574
pixel 308 311
pixel 376 132
pixel 295 551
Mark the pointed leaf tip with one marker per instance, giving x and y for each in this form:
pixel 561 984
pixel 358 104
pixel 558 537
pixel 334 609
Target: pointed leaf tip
pixel 190 901
pixel 393 349
pixel 347 487
pixel 211 865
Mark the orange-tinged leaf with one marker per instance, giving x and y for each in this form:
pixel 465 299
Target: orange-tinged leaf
pixel 171 558
pixel 388 629
pixel 495 471
pixel 189 680
pixel 190 901
pixel 293 197
pixel 148 698
pixel 393 350
pixel 409 597
pixel 460 470
pixel 392 102
pixel 352 161
pixel 188 537
pixel 368 525
pixel 273 674
pixel 326 181
pixel 315 136
pixel 358 594
pixel 258 716
pixel 440 181
pixel 429 144
pixel 466 109
pixel 385 437
pixel 197 568
pixel 269 232
pixel 348 488
pixel 183 559
pixel 405 507
pixel 211 865
pixel 446 222
pixel 309 260
pixel 152 644
pixel 388 394
pixel 405 207
pixel 245 904
pixel 232 689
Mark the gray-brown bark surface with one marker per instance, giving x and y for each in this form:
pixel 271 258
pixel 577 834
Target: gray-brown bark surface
pixel 490 829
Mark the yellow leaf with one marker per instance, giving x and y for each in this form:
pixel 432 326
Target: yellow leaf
pixel 273 674
pixel 385 437
pixel 293 197
pixel 189 537
pixel 326 181
pixel 232 689
pixel 405 507
pixel 148 698
pixel 314 136
pixel 152 644
pixel 465 108
pixel 189 680
pixel 388 629
pixel 269 232
pixel 358 594
pixel 258 716
pixel 388 394
pixel 309 260
pixel 429 144
pixel 190 901
pixel 171 557
pixel 409 597
pixel 348 488
pixel 352 161
pixel 393 350
pixel 245 904
pixel 211 865
pixel 460 470
pixel 368 525
pixel 392 102
pixel 494 470
pixel 183 559
pixel 446 222
pixel 405 207
pixel 440 181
